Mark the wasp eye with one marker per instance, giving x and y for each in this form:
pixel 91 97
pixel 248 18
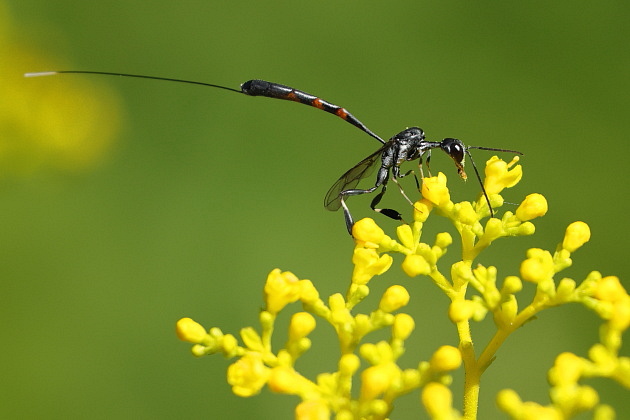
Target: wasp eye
pixel 454 148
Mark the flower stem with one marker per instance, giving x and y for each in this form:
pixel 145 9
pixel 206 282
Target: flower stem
pixel 472 371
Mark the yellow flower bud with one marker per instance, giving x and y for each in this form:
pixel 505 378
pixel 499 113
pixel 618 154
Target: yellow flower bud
pixel 367 231
pixel 414 265
pixel 377 379
pixel 567 369
pixel 538 266
pixel 379 408
pixel 191 331
pixel 346 414
pixel 281 289
pixel 587 398
pixel 349 363
pixel 604 412
pixel 466 214
pixel 301 325
pixel 252 339
pixel 620 318
pixel 602 356
pixel 461 310
pixel 435 191
pixel 526 229
pixel 285 380
pixel 198 350
pixel 266 319
pixel 312 410
pixel 437 400
pixel 367 264
pixel 247 375
pixel 511 284
pixel 403 326
pixel 576 235
pixel 308 292
pixel 446 358
pixel 421 211
pixel 229 344
pixel 405 235
pixel 338 311
pixel 394 298
pixel 509 309
pixel 500 176
pixel 609 289
pixel 363 324
pixel 565 289
pixel 443 240
pixel 494 229
pixel 534 205
pixel 509 401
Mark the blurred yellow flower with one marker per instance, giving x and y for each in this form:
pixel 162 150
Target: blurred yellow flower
pixel 63 124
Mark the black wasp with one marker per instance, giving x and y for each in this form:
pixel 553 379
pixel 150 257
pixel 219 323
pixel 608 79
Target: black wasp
pixel 410 144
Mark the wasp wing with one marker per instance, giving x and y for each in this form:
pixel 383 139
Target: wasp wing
pixel 350 179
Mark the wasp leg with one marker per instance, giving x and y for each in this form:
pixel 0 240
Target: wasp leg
pixel 401 189
pixel 415 177
pixel 409 172
pixel 421 170
pixel 346 212
pixel 428 166
pixel 347 216
pixel 391 213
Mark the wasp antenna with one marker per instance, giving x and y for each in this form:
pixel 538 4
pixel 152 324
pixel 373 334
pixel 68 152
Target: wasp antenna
pixel 483 189
pixel 40 73
pixel 139 76
pixel 492 149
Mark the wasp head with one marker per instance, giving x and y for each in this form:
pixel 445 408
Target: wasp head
pixel 455 149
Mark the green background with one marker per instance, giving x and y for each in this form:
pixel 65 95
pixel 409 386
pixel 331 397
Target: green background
pixel 207 191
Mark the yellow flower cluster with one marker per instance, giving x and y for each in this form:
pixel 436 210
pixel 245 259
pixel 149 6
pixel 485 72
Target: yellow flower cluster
pixel 381 382
pixel 474 293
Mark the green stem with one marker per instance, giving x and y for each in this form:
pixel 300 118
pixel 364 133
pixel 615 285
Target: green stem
pixel 472 371
pixel 502 334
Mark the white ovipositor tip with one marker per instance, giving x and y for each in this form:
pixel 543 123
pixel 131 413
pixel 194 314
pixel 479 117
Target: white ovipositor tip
pixel 40 73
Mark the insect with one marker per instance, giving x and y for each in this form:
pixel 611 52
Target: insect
pixel 408 145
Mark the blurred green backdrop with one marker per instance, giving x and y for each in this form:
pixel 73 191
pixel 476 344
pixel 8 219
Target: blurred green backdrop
pixel 203 192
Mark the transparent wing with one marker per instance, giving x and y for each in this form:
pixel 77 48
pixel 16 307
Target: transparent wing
pixel 350 179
